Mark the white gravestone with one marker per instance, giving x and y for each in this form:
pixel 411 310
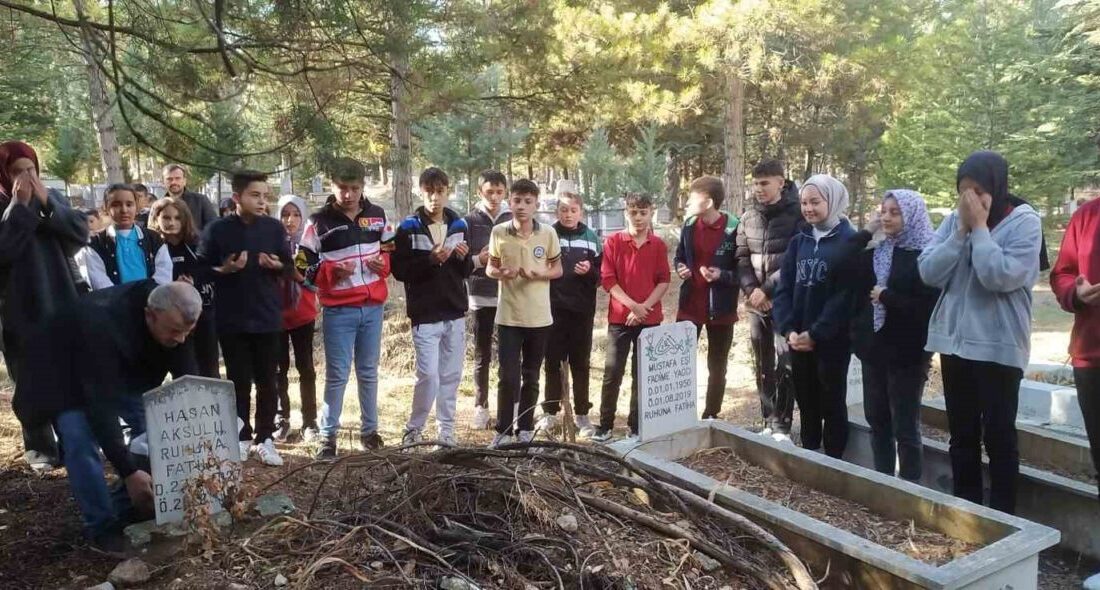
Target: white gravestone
pixel 855 382
pixel 186 420
pixel 666 380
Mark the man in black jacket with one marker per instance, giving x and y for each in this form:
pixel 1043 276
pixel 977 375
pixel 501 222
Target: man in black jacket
pixel 492 187
pixel 39 234
pixel 766 228
pixel 86 368
pixel 202 210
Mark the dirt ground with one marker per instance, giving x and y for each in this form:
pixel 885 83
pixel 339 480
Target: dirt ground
pixel 40 538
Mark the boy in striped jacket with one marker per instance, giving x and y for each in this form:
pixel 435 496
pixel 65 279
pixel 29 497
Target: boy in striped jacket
pixel 573 305
pixel 344 252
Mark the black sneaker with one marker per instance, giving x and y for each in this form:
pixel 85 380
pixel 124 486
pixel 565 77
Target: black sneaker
pixel 112 544
pixel 601 435
pixel 371 442
pixel 283 431
pixel 327 450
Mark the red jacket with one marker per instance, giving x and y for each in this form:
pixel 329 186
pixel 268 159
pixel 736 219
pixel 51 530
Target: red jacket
pixel 304 312
pixel 1080 255
pixel 330 238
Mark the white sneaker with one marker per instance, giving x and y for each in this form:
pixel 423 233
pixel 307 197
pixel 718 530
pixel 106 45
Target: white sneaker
pixel 525 436
pixel 767 432
pixel 500 440
pixel 1092 582
pixel 584 426
pixel 246 448
pixel 781 437
pixel 548 422
pixel 267 454
pixel 411 436
pixel 447 439
pixel 480 420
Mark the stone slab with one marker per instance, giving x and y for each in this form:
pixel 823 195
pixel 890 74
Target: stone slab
pixel 1012 544
pixel 666 380
pixel 188 420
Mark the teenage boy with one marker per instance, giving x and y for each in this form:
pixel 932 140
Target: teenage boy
pixel 708 296
pixel 430 257
pixel 573 305
pixel 492 187
pixel 525 256
pixel 345 253
pixel 249 252
pixel 635 271
pixel 766 228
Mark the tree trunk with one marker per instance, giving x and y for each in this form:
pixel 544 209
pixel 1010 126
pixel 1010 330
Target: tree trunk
pixel 286 179
pixel 102 117
pixel 855 182
pixel 401 157
pixel 733 169
pixel 672 184
pixel 808 171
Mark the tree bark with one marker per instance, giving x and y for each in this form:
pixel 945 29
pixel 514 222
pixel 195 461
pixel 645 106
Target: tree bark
pixel 672 183
pixel 733 170
pixel 808 170
pixel 102 117
pixel 401 157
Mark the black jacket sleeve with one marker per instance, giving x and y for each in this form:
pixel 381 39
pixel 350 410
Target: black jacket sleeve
pixel 408 265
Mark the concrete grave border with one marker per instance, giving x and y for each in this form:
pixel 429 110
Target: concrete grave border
pixel 1008 560
pixel 1065 504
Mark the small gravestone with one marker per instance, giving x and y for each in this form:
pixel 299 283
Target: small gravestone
pixel 666 380
pixel 855 382
pixel 187 420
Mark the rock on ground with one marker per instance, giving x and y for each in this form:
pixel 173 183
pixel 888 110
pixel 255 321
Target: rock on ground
pixel 568 523
pixel 131 572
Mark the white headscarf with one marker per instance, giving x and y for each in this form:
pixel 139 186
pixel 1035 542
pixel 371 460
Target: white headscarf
pixel 834 193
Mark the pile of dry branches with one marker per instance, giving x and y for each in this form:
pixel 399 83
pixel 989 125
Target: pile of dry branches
pixel 537 515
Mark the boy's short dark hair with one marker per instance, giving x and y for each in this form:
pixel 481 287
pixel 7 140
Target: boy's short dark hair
pixel 347 170
pixel 525 186
pixel 492 177
pixel 768 167
pixel 637 200
pixel 115 188
pixel 141 188
pixel 242 178
pixel 434 178
pixel 712 187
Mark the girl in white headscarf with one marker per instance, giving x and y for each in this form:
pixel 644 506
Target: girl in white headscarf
pixel 890 326
pixel 811 309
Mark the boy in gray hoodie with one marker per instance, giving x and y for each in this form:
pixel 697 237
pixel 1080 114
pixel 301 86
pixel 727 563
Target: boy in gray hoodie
pixel 985 258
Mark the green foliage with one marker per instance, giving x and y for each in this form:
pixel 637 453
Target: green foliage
pixel 645 170
pixel 70 152
pixel 601 170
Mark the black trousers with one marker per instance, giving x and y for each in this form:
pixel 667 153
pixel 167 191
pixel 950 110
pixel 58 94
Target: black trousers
pixel 205 342
pixel 820 387
pixel 891 401
pixel 570 341
pixel 301 339
pixel 719 341
pixel 1087 381
pixel 39 443
pixel 620 339
pixel 484 326
pixel 771 360
pixel 251 358
pixel 521 353
pixel 982 399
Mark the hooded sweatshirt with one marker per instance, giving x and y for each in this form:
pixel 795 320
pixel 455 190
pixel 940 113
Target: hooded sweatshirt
pixel 986 275
pixel 299 299
pixel 812 294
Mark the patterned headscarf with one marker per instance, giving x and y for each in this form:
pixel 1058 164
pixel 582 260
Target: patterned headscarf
pixel 916 233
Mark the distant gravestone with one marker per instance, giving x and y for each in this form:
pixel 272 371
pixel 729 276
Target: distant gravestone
pixel 666 380
pixel 186 420
pixel 855 382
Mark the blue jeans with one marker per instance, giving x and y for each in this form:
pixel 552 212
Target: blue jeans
pixel 348 331
pixel 101 510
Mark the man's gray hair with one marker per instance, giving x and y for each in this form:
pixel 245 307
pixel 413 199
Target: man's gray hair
pixel 178 296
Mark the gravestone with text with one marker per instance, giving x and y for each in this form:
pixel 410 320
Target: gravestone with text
pixel 187 420
pixel 666 380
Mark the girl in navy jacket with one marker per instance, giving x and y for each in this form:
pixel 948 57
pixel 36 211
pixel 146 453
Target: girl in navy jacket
pixel 811 310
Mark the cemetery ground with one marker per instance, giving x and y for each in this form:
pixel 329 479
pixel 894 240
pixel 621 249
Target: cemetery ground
pixel 39 524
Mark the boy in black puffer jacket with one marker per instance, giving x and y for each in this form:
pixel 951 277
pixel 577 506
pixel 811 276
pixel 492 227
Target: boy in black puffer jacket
pixel 708 296
pixel 767 226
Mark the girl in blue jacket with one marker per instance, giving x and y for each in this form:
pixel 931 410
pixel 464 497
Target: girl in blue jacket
pixel 811 310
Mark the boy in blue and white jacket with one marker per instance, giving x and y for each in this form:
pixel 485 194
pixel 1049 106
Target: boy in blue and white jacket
pixel 430 258
pixel 812 309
